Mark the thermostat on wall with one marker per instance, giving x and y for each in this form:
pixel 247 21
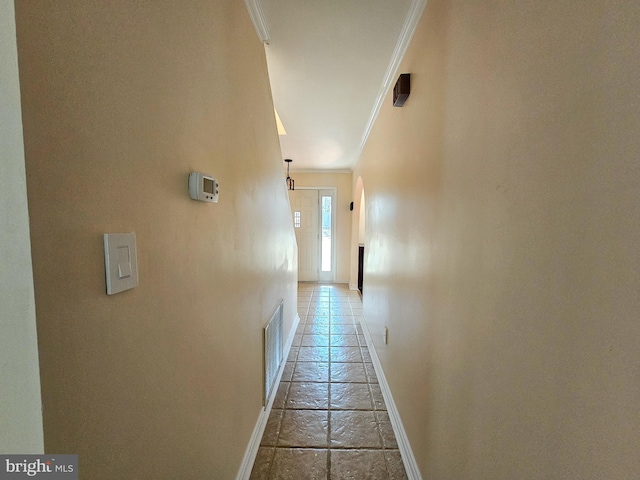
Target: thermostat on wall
pixel 203 187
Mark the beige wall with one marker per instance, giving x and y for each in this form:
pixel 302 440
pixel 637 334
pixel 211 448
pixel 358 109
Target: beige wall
pixel 342 183
pixel 20 407
pixel 121 100
pixel 502 233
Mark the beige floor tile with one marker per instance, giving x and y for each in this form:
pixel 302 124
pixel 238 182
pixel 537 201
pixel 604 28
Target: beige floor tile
pixel 310 329
pixel 351 396
pixel 344 341
pixel 365 354
pixel 358 465
pixel 354 429
pixel 371 373
pixel 317 320
pixel 378 399
pixel 340 309
pixel 293 354
pixel 311 372
pixel 272 429
pixel 346 354
pixel 299 464
pixel 313 354
pixel 342 329
pixel 342 319
pixel 304 428
pixel 395 467
pixel 348 373
pixel 308 396
pixel 281 395
pixel 386 430
pixel 342 300
pixel 287 372
pixel 315 340
pixel 262 463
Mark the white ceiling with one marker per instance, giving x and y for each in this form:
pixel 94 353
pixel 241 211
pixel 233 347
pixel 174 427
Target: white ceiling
pixel 331 62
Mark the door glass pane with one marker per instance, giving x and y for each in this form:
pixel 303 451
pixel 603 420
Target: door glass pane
pixel 296 219
pixel 326 234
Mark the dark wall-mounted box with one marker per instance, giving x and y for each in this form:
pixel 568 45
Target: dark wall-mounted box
pixel 401 89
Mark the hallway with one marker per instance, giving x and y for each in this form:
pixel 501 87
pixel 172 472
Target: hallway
pixel 329 419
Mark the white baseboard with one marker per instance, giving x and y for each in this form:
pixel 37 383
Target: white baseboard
pixel 254 443
pixel 353 287
pixel 410 465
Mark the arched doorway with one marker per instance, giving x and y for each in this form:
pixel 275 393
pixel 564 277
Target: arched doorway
pixel 358 237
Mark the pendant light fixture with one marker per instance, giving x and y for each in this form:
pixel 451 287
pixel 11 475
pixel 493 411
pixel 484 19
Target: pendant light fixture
pixel 290 181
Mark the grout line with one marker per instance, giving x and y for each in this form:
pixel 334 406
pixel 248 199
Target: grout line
pixel 273 457
pixel 329 401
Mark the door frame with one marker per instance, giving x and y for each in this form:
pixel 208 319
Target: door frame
pixel 328 277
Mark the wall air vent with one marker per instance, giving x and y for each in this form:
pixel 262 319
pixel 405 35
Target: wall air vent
pixel 273 348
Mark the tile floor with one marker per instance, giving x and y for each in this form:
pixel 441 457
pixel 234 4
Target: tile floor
pixel 328 420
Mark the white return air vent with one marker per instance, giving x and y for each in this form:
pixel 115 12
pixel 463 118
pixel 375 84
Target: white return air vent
pixel 272 350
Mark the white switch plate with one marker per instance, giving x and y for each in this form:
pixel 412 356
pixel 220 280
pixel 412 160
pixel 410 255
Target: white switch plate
pixel 120 262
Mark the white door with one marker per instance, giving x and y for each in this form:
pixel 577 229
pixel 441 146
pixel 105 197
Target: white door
pixel 304 210
pixel 327 235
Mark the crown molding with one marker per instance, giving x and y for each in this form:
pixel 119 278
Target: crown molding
pixel 259 22
pixel 408 29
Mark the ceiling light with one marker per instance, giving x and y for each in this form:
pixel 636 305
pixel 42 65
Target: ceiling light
pixel 290 181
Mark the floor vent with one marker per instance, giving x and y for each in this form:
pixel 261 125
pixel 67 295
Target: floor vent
pixel 272 350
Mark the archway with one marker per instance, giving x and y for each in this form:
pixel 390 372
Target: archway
pixel 358 236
